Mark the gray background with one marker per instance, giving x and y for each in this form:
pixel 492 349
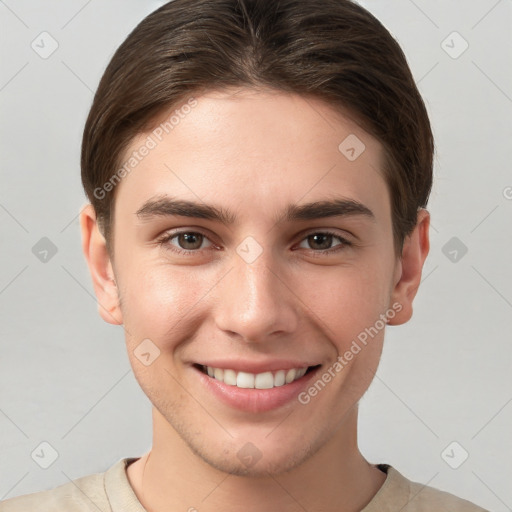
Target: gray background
pixel 445 376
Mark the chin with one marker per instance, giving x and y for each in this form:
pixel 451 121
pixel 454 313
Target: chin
pixel 247 459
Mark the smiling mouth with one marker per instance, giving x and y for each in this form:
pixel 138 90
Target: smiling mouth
pixel 264 380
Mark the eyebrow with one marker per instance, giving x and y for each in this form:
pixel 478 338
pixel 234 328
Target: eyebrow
pixel 163 206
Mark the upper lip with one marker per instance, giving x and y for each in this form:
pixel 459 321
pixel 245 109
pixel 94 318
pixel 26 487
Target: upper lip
pixel 239 365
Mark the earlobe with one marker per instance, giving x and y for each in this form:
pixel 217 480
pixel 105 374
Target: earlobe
pixel 414 252
pixel 98 260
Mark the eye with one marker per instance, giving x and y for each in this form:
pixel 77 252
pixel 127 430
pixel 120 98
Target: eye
pixel 184 242
pixel 191 242
pixel 321 241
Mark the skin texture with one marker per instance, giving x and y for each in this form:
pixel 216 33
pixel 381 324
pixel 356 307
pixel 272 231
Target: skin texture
pixel 254 153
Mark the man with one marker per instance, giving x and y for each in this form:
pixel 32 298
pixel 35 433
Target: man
pixel 258 173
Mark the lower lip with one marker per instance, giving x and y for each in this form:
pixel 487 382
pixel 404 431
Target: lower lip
pixel 255 400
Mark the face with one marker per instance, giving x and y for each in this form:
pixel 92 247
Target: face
pixel 248 241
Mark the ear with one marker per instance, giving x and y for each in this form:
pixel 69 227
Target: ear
pixel 95 251
pixel 409 268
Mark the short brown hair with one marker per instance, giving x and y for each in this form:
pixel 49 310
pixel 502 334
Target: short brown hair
pixel 333 50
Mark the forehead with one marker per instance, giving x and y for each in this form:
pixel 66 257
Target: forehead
pixel 254 150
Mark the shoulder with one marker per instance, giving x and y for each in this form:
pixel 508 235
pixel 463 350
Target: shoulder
pixel 81 495
pixel 400 493
pixel 426 498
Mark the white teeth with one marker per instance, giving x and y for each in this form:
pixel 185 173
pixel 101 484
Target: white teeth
pixel 244 380
pixel 230 377
pixel 301 373
pixel 265 380
pixel 290 375
pixel 279 378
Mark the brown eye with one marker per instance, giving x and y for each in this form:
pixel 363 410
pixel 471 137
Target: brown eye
pixel 190 241
pixel 184 242
pixel 322 242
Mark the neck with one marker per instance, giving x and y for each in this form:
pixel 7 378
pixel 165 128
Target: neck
pixel 335 477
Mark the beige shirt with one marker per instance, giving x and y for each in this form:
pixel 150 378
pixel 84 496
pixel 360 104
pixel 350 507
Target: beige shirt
pixel 111 492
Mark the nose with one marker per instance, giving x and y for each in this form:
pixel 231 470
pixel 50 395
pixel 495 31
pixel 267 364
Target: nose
pixel 255 302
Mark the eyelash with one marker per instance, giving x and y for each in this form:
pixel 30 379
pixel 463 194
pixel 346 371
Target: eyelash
pixel 166 238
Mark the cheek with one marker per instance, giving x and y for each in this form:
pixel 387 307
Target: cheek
pixel 347 300
pixel 160 301
pixel 163 305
